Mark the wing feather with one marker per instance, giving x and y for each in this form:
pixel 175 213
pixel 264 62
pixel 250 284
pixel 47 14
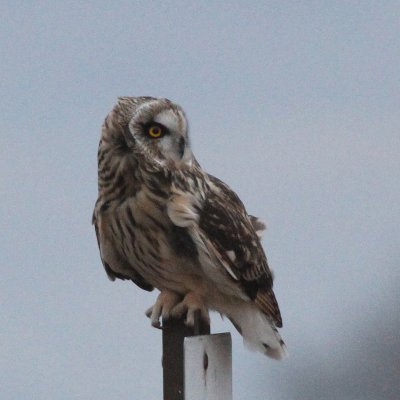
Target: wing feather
pixel 230 236
pixel 235 237
pixel 112 273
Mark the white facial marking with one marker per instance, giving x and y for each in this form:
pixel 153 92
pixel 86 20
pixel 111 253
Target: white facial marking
pixel 176 124
pixel 169 119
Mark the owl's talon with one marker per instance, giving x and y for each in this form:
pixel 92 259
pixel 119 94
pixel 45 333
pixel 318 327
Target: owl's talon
pixel 156 324
pixel 161 309
pixel 191 304
pixel 148 312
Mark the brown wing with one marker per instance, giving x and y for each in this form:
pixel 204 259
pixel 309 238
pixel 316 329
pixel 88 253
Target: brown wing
pixel 109 271
pixel 112 273
pixel 230 230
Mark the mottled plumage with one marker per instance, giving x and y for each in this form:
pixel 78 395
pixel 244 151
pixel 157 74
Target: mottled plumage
pixel 164 223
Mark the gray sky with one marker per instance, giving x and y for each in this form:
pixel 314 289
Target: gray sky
pixel 293 104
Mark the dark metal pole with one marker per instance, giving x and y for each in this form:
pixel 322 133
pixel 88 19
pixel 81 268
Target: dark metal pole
pixel 174 333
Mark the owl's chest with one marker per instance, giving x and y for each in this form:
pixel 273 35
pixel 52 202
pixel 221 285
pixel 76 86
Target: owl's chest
pixel 148 209
pixel 146 229
pixel 141 231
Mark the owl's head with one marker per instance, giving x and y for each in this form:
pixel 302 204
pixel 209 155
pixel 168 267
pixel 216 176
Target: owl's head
pixel 155 128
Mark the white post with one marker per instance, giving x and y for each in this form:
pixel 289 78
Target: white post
pixel 208 367
pixel 174 332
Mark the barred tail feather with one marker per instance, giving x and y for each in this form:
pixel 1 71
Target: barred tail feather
pixel 258 332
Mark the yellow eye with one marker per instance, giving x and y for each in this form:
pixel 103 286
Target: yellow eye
pixel 155 131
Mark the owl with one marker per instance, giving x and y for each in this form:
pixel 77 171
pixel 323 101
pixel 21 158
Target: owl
pixel 162 222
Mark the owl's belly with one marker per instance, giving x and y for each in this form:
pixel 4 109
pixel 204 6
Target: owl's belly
pixel 144 241
pixel 166 259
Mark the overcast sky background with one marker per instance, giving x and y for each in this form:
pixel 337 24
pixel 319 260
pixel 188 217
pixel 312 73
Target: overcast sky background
pixel 295 104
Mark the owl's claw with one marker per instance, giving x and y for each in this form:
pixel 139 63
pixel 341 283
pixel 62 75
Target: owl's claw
pixel 190 305
pixel 162 308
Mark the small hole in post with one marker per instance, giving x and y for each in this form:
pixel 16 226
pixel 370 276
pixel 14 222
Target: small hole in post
pixel 205 361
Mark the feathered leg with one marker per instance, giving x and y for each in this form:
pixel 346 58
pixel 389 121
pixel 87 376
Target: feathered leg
pixel 163 306
pixel 191 303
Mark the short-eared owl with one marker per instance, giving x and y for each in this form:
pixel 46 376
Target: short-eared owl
pixel 163 222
